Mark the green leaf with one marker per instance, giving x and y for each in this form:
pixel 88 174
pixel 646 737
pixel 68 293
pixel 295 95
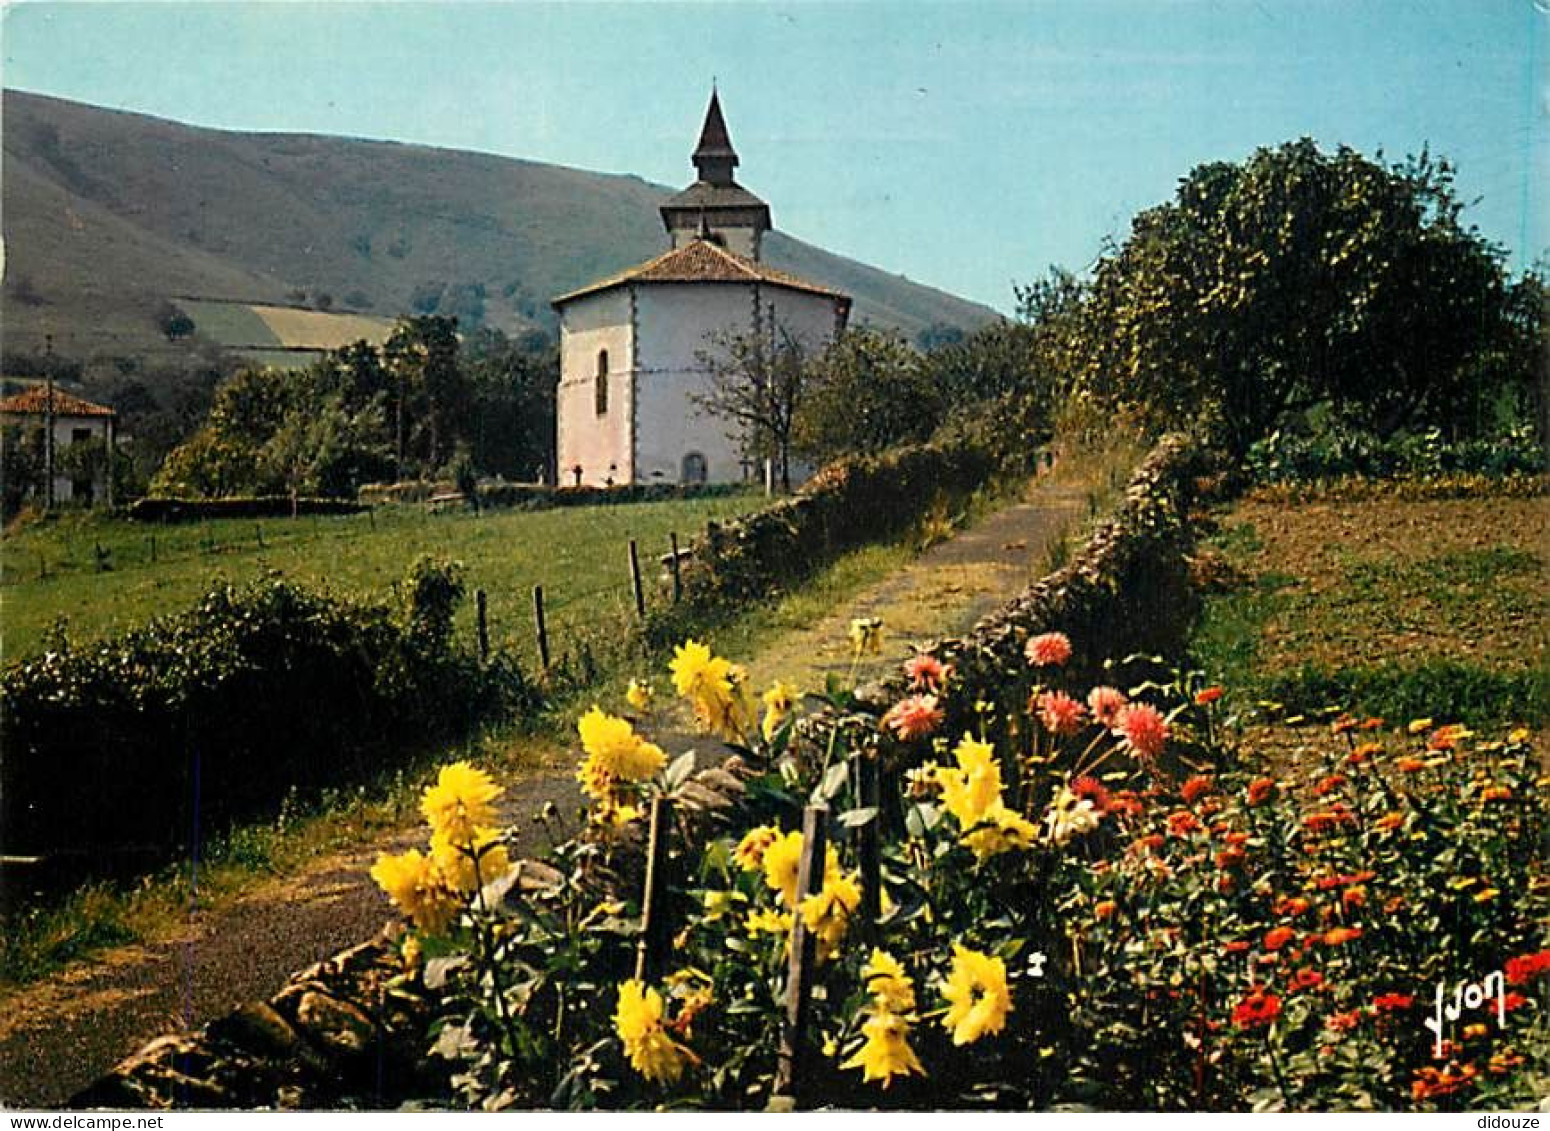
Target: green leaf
pixel 678 772
pixel 856 818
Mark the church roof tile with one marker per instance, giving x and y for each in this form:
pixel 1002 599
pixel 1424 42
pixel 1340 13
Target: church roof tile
pixel 702 262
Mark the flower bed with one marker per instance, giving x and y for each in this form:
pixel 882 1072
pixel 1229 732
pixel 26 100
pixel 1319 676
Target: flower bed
pixel 1034 912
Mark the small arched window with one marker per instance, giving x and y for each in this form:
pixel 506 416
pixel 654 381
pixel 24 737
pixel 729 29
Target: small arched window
pixel 600 383
pixel 694 468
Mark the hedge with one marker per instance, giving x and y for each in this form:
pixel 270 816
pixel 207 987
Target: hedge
pixel 154 509
pixel 155 738
pixel 499 494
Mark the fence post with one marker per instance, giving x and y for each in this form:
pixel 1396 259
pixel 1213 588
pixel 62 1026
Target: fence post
pixel 258 531
pixel 481 613
pixel 652 950
pixel 538 623
pixel 793 1056
pixel 864 775
pixel 678 585
pixel 640 592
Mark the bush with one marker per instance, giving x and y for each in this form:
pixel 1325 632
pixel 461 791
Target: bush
pixel 151 509
pixel 167 732
pixel 1337 452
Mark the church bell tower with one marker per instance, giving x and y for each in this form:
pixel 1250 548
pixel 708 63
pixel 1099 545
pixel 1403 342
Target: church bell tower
pixel 716 207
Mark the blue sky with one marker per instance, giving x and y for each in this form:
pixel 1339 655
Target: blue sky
pixel 966 144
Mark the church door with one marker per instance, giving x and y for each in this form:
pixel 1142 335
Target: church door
pixel 694 469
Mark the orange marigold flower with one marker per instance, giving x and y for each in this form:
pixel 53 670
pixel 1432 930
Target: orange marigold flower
pixel 1409 764
pixel 1496 793
pixel 1525 967
pixel 1329 784
pixel 1291 905
pixel 1182 822
pixel 1371 724
pixel 1343 1022
pixel 1326 819
pixel 1354 897
pixel 1237 946
pixel 1126 803
pixel 1342 724
pixel 1345 879
pixel 1260 790
pixel 1196 788
pixel 1106 703
pixel 913 717
pixel 1105 909
pixel 1392 1002
pixel 1230 858
pixel 1059 713
pixel 1364 751
pixel 1207 695
pixel 1256 1009
pixel 1339 936
pixel 1389 821
pixel 1277 937
pixel 1150 841
pixel 1432 1082
pixel 1049 649
pixel 1143 729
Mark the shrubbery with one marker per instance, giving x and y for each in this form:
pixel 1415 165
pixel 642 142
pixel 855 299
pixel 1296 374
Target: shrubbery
pixel 1337 452
pixel 155 738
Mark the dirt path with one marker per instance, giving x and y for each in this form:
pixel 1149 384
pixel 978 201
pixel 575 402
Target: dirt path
pixel 60 1035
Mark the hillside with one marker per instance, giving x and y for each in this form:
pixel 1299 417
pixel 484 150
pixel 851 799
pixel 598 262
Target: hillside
pixel 108 214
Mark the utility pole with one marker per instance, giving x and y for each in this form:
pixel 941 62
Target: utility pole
pixel 48 422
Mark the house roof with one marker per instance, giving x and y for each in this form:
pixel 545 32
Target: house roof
pixel 702 262
pixel 34 402
pixel 705 194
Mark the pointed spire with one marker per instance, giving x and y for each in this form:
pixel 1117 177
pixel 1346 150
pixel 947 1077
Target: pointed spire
pixel 714 157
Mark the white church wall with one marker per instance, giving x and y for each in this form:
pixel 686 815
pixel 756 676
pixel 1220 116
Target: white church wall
pixel 677 322
pixel 586 439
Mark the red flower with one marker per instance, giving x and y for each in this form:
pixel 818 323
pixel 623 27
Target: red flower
pixel 1060 713
pixel 1524 967
pixel 1230 858
pixel 1207 695
pixel 1105 909
pixel 1392 1003
pixel 1260 790
pixel 1255 1010
pixel 1106 703
pixel 926 672
pixel 1126 803
pixel 1328 882
pixel 1291 905
pixel 1496 793
pixel 1431 1082
pixel 1237 946
pixel 1408 764
pixel 913 717
pixel 1327 819
pixel 1051 649
pixel 1182 822
pixel 1307 978
pixel 1513 1000
pixel 1339 936
pixel 1342 724
pixel 1091 789
pixel 1277 937
pixel 1196 788
pixel 1143 728
pixel 1354 897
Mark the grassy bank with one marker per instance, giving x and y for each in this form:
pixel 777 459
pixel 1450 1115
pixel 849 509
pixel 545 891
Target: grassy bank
pixel 579 556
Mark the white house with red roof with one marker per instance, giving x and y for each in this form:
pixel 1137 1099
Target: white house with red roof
pixel 633 346
pixel 75 421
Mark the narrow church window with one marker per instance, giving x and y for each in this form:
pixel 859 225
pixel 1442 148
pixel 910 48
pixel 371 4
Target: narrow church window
pixel 600 391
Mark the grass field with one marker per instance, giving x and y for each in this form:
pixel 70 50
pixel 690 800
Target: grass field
pixel 1391 606
pixel 579 555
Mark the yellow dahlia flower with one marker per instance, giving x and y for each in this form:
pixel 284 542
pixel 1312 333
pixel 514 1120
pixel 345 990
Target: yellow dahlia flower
pixel 886 1053
pixel 638 1021
pixel 976 994
pixel 887 982
pixel 617 748
pixel 413 883
pixel 462 799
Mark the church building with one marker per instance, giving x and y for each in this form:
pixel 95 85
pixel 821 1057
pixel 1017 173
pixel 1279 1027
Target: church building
pixel 631 345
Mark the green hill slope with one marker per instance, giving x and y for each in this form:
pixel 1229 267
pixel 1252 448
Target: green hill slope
pixel 108 214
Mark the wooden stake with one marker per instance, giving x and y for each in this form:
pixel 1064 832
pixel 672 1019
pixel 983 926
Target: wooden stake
pixel 481 613
pixel 678 585
pixel 651 952
pixel 538 623
pixel 869 851
pixel 640 591
pixel 258 532
pixel 794 1053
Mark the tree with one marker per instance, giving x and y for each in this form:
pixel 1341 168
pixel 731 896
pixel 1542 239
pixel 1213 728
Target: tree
pixel 867 391
pixel 173 322
pixel 1293 280
pixel 430 392
pixel 510 428
pixel 756 383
